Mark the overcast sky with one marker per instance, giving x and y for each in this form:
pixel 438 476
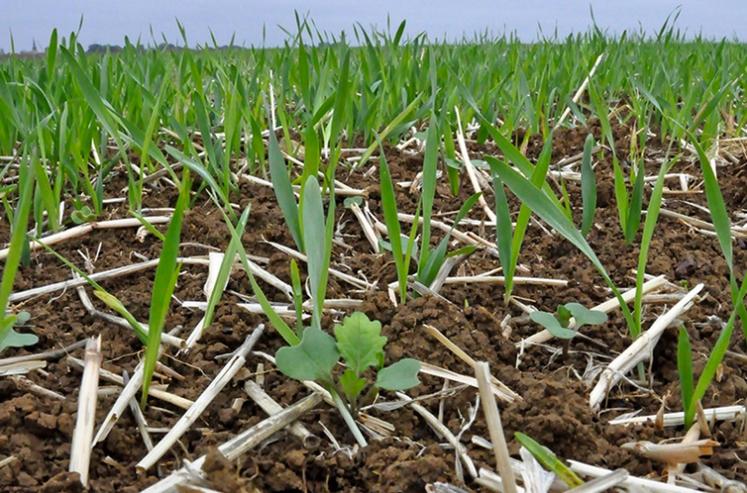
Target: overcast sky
pixel 108 21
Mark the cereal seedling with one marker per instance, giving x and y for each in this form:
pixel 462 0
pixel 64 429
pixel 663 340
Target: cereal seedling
pixel 8 336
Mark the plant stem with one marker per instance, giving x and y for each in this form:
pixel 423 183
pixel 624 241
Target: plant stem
pixel 347 417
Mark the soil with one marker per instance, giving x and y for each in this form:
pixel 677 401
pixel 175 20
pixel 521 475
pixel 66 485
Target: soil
pixel 554 408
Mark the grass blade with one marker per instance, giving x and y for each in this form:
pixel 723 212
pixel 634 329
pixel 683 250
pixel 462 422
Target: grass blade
pixel 541 205
pixel 163 287
pixel 389 207
pixel 17 245
pixel 430 160
pixel 588 187
pixel 548 459
pixel 284 191
pixel 685 369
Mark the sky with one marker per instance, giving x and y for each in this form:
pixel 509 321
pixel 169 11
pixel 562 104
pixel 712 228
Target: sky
pixel 109 21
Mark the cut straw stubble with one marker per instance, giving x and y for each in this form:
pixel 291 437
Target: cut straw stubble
pixel 137 413
pixel 215 260
pixel 726 413
pixel 268 405
pixel 236 362
pixel 471 171
pixel 632 482
pixel 162 395
pixel 84 229
pixel 640 350
pixel 440 429
pixel 91 309
pixel 507 394
pixel 80 450
pixel 99 276
pixel 493 419
pixel 240 444
pixel 117 410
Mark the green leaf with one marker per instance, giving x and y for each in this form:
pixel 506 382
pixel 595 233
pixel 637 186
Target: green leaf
pixel 633 219
pixel 584 316
pixel 563 315
pixel 281 184
pixel 549 460
pixel 503 226
pixel 350 201
pixel 430 160
pixel 163 286
pixel 652 217
pixel 360 342
pixel 22 317
pixel 113 302
pixel 16 339
pixel 312 359
pixel 722 225
pixel 588 187
pixel 552 324
pixel 401 375
pixel 314 231
pixel 715 200
pixel 17 243
pixel 295 275
pixel 389 206
pixel 224 271
pixel 535 199
pixel 717 354
pixel 685 369
pixel 288 335
pixel 352 384
pixel 437 256
pixel 537 178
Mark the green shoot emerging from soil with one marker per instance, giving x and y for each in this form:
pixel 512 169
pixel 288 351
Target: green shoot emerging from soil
pixel 567 321
pixel 429 259
pixel 549 460
pixel 8 336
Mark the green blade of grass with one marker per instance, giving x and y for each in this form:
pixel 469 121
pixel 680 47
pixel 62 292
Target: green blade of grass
pixel 716 357
pixel 722 226
pixel 685 369
pixel 633 218
pixel 588 187
pixel 17 241
pixel 315 239
pixel 437 257
pixel 548 459
pixel 428 193
pixel 504 228
pixel 290 337
pixel 284 192
pixel 224 272
pixel 652 217
pixel 389 207
pixel 541 205
pixel 163 287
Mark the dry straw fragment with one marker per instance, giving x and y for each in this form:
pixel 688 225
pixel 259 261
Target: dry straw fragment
pixel 80 450
pixel 640 350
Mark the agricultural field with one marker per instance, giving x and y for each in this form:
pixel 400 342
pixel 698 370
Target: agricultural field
pixel 375 264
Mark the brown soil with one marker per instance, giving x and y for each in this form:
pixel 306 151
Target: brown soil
pixel 554 410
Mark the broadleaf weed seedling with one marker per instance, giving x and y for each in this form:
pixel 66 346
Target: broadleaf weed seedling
pixel 359 342
pixel 559 323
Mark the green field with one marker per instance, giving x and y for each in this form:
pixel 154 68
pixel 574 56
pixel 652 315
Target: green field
pixel 383 204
